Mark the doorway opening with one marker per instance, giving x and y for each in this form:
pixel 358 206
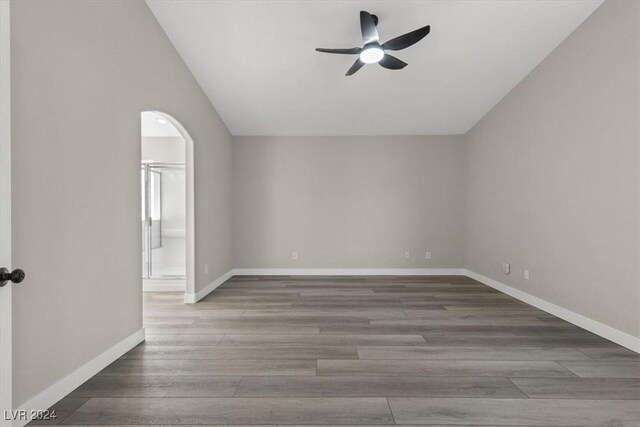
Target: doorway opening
pixel 166 183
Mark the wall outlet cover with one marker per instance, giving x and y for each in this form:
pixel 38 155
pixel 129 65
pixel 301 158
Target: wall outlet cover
pixel 506 267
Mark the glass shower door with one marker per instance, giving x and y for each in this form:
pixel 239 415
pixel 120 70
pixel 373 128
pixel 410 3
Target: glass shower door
pixel 164 246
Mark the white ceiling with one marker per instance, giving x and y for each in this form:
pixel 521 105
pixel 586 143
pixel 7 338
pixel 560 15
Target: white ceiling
pixel 256 61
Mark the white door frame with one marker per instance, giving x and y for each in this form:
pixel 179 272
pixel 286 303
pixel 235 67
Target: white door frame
pixel 190 214
pixel 6 373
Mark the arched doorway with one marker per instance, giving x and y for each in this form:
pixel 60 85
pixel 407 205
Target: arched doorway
pixel 167 204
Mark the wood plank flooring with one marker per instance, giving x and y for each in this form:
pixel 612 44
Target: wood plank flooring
pixel 359 351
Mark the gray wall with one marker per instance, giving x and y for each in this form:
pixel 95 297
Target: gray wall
pixel 82 72
pixel 552 180
pixel 348 202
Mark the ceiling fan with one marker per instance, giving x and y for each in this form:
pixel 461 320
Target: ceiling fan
pixel 373 51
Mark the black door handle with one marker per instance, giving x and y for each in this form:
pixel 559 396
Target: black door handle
pixel 15 276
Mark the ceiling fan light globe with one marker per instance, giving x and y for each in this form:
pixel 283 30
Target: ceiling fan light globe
pixel 371 55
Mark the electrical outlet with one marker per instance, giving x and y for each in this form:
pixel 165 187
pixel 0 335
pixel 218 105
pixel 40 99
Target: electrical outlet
pixel 526 274
pixel 427 255
pixel 407 255
pixel 206 269
pixel 506 267
pixel 294 255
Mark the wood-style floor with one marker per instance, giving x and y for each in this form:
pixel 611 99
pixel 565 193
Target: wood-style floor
pixel 356 350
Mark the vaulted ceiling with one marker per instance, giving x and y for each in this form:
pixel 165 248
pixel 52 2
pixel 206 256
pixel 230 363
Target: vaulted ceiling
pixel 256 61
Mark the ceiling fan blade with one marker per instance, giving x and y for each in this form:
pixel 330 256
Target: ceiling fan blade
pixel 407 40
pixel 391 62
pixel 352 51
pixel 368 27
pixel 355 67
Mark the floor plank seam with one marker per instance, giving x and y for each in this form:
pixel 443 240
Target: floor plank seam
pixel 590 357
pixel 238 386
pixel 390 410
pixel 521 390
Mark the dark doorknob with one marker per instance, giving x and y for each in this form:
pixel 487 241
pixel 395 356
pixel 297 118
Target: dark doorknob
pixel 15 276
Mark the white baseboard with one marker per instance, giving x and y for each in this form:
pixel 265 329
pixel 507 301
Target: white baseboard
pixel 348 271
pixel 191 298
pixel 157 285
pixel 69 383
pixel 598 328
